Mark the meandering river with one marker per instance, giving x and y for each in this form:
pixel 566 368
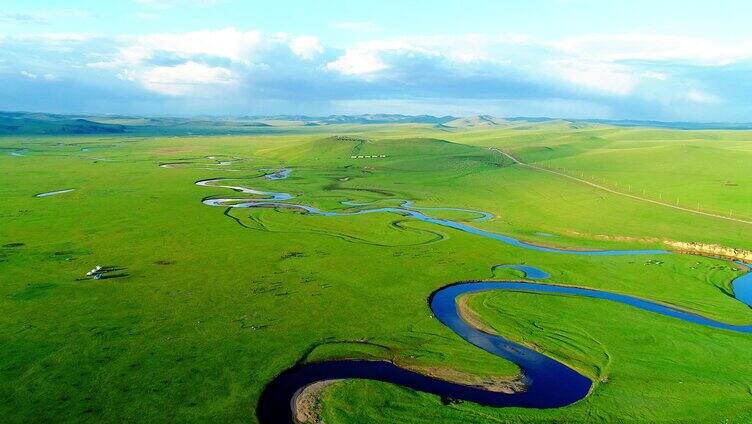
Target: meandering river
pixel 279 199
pixel 549 383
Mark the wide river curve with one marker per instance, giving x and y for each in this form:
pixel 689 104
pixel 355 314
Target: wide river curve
pixel 549 383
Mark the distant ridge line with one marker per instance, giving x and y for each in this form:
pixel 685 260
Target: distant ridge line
pixel 39 123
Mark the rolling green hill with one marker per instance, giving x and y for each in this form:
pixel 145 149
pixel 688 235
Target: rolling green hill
pixel 11 124
pixel 208 304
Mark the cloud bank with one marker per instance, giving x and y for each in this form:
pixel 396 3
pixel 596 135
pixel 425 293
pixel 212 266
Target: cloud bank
pixel 233 71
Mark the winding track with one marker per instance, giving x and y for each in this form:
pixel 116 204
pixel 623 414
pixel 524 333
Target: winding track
pixel 549 383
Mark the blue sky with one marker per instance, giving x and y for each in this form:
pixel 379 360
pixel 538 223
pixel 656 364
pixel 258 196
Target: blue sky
pixel 667 60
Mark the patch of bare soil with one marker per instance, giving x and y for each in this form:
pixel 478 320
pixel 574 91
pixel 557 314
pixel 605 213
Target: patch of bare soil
pixel 307 403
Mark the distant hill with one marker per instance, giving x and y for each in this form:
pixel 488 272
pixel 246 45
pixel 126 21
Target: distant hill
pixel 476 122
pixel 22 123
pixel 356 119
pixel 678 125
pixel 18 123
pixel 27 123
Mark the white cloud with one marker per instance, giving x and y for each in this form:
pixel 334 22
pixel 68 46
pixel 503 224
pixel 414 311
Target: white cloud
pixel 697 96
pixel 468 48
pixel 615 71
pixel 135 60
pixel 306 46
pixel 227 43
pixel 605 77
pixel 653 47
pixel 357 63
pixel 208 57
pixel 368 59
pixel 365 59
pixel 181 79
pixel 660 76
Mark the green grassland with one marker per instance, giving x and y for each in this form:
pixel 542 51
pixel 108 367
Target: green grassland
pixel 675 166
pixel 213 303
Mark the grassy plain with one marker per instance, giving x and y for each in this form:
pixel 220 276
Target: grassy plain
pixel 215 303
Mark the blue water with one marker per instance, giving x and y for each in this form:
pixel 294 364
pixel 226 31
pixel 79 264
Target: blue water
pixel 636 302
pixel 549 383
pixel 277 199
pixel 270 197
pixel 530 272
pixel 484 216
pixel 408 204
pixel 279 175
pixel 54 193
pixel 742 286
